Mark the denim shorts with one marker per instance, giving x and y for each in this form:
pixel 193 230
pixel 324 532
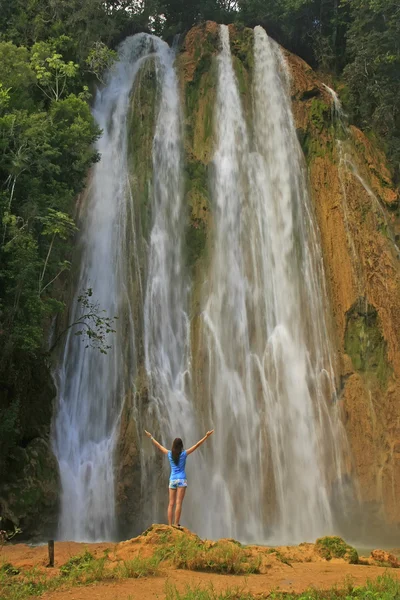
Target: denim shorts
pixel 177 483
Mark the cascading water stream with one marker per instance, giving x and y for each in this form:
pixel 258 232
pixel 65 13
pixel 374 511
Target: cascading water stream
pixel 347 169
pixel 270 367
pixel 92 387
pixel 166 322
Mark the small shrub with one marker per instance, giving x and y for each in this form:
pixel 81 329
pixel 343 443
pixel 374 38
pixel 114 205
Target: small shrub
pixel 334 547
pixel 222 557
pixel 225 557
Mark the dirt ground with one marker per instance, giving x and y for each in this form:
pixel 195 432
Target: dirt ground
pixel 305 570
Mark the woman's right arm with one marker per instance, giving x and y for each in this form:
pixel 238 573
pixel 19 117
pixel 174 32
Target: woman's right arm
pixel 163 450
pixel 199 443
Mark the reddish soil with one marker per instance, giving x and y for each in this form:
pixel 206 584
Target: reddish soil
pixel 306 570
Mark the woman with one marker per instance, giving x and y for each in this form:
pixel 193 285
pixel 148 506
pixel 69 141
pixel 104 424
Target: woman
pixel 177 479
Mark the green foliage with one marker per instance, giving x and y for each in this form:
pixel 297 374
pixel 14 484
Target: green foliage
pixel 93 324
pixel 373 70
pixel 16 75
pixel 320 113
pixel 100 59
pixel 334 547
pixel 139 567
pixel 196 239
pixel 46 148
pixel 314 29
pixel 9 569
pixel 51 71
pixel 77 564
pixel 180 15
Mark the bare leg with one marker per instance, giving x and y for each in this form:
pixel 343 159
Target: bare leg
pixel 172 498
pixel 179 499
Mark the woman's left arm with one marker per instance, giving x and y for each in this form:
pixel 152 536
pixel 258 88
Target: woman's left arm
pixel 193 448
pixel 163 450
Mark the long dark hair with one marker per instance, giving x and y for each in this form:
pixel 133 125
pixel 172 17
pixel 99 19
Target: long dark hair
pixel 177 447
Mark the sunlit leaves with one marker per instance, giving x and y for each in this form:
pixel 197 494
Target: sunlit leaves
pixel 100 59
pixel 51 70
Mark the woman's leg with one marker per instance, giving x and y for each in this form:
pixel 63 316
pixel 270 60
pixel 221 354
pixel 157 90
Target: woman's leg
pixel 172 498
pixel 179 499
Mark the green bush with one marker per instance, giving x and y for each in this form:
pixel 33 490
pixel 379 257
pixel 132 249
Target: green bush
pixel 222 557
pixel 334 547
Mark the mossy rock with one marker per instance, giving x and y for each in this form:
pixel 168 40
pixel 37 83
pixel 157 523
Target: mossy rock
pixel 141 126
pixel 335 547
pixel 364 341
pixel 200 94
pixel 320 114
pixel 196 241
pixel 242 45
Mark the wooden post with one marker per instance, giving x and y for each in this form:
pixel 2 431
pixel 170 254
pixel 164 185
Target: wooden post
pixel 50 544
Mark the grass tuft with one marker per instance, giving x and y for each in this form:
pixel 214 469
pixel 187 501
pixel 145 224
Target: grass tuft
pixel 139 567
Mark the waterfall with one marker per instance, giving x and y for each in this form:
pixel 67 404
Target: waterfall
pixel 267 381
pixel 91 386
pixel 270 366
pixel 166 321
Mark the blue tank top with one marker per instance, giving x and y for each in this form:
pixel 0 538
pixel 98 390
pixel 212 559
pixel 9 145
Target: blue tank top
pixel 177 471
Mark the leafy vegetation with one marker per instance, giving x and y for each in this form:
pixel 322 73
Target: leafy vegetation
pixel 334 547
pixel 47 134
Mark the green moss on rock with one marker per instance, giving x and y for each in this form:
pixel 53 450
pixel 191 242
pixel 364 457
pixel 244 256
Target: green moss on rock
pixel 200 96
pixel 242 43
pixel 335 547
pixel 320 114
pixel 196 240
pixel 141 124
pixel 364 341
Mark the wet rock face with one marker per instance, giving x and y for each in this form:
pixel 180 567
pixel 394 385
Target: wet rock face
pixel 355 204
pixel 30 498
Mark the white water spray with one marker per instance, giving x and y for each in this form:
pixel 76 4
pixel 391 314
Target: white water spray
pixel 91 386
pixel 166 322
pixel 270 367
